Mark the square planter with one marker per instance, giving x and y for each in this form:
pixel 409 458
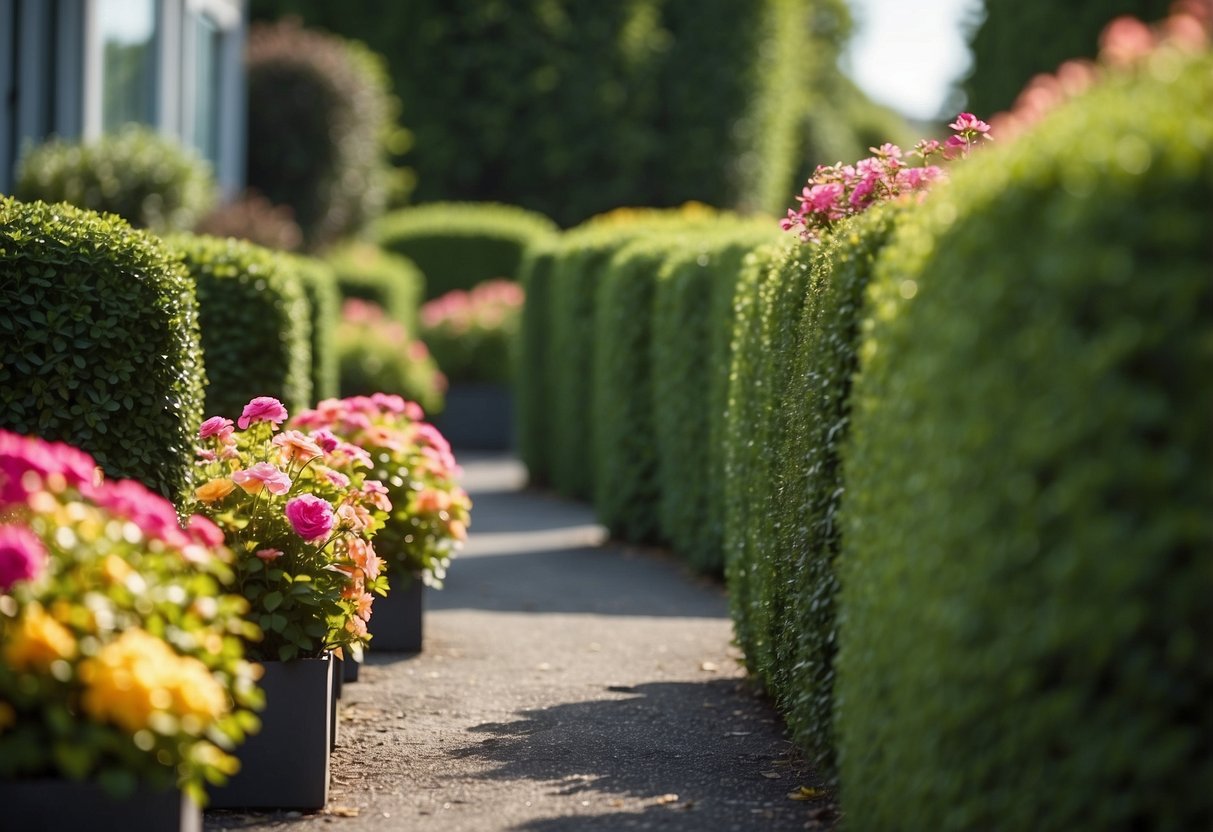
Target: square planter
pixel 56 805
pixel 286 765
pixel 478 417
pixel 350 668
pixel 395 624
pixel 337 678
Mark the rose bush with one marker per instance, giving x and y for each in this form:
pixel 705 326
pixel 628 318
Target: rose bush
pixel 472 334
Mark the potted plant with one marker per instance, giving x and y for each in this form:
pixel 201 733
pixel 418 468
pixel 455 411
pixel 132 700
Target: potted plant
pixel 123 683
pixel 299 513
pixel 472 335
pixel 430 513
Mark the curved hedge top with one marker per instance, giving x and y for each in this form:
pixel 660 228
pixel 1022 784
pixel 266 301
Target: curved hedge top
pixel 256 333
pixel 367 272
pixel 99 343
pixel 149 180
pixel 1026 598
pixel 459 244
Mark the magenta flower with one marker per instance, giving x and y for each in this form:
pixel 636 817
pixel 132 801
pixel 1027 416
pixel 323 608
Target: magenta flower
pixel 326 440
pixel 311 517
pixel 268 555
pixel 966 122
pixel 262 409
pixel 204 531
pixel 22 556
pixel 155 516
pixel 216 426
pixel 262 475
pixel 27 463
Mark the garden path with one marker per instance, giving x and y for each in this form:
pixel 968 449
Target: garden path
pixel 566 684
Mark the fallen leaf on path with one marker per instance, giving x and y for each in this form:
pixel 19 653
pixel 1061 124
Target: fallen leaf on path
pixel 710 667
pixel 666 799
pixel 771 775
pixel 806 793
pixel 738 733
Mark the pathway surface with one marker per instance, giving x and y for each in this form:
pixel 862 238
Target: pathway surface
pixel 565 685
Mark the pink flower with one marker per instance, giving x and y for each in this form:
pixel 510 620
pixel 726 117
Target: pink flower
pixel 362 553
pixel 326 440
pixel 311 517
pixel 154 515
pixel 204 531
pixel 336 478
pixel 30 464
pixel 22 556
pixel 262 409
pixel 966 122
pixel 364 606
pixel 262 475
pixel 268 555
pixel 216 426
pixel 297 446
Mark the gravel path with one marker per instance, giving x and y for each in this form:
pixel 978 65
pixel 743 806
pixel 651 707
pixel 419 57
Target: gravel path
pixel 566 684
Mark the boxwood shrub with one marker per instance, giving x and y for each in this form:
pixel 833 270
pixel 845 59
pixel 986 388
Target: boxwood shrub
pixel 532 383
pixel 149 180
pixel 256 331
pixel 99 343
pixel 690 353
pixel 367 272
pixel 1025 607
pixel 457 245
pixel 319 285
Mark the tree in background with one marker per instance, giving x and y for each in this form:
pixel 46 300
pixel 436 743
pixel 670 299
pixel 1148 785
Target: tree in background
pixel 1018 39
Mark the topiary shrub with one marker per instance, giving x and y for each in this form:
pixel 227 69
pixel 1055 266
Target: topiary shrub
pixel 319 285
pixel 691 340
pixel 319 109
pixel 366 272
pixel 99 343
pixel 254 314
pixel 532 383
pixel 457 245
pixel 149 180
pixel 1025 607
pixel 378 355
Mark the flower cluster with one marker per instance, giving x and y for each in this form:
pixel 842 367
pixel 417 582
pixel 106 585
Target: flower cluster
pixel 299 513
pixel 472 334
pixel 835 192
pixel 121 649
pixel 413 461
pixel 378 354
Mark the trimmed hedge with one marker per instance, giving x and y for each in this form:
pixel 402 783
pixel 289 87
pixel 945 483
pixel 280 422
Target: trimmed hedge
pixel 149 180
pixel 1025 605
pixel 533 381
pixel 690 353
pixel 99 343
pixel 255 321
pixel 319 285
pixel 459 244
pixel 367 272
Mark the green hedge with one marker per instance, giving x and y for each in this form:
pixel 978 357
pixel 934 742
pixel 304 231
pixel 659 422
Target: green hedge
pixel 367 272
pixel 532 383
pixel 255 323
pixel 691 342
pixel 149 180
pixel 99 343
pixel 319 284
pixel 457 245
pixel 1025 608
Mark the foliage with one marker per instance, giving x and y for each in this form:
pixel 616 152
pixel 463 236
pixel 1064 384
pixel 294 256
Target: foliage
pixel 147 179
pixel 121 654
pixel 473 335
pixel 252 217
pixel 95 320
pixel 413 461
pixel 378 355
pixel 458 245
pixel 319 112
pixel 366 272
pixel 298 512
pixel 1024 608
pixel 532 385
pixel 319 285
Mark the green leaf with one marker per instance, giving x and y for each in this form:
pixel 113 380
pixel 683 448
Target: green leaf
pixel 272 601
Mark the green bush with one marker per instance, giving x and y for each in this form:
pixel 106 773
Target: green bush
pixel 691 340
pixel 319 284
pixel 1025 607
pixel 319 112
pixel 252 217
pixel 99 343
pixel 378 355
pixel 149 180
pixel 255 323
pixel 367 272
pixel 473 335
pixel 457 245
pixel 533 379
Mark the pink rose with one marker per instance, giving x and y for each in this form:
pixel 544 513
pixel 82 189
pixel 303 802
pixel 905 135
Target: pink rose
pixel 216 426
pixel 311 517
pixel 268 555
pixel 326 440
pixel 204 531
pixel 262 475
pixel 22 556
pixel 297 446
pixel 262 409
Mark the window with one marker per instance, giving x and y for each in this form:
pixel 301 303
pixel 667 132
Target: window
pixel 128 61
pixel 208 42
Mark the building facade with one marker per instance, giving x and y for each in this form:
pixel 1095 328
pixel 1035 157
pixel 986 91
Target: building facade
pixel 80 68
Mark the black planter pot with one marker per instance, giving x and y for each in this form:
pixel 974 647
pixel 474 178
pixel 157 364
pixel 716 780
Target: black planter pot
pixel 56 805
pixel 350 669
pixel 286 765
pixel 478 417
pixel 337 677
pixel 395 624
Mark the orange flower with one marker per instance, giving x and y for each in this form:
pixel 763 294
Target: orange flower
pixel 214 490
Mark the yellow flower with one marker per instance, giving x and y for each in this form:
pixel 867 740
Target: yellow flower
pixel 38 641
pixel 214 490
pixel 116 569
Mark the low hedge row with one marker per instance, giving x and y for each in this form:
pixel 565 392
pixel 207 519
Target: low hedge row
pixel 459 244
pixel 367 272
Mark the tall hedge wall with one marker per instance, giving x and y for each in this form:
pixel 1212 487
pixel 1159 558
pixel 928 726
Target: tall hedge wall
pixel 457 245
pixel 1025 605
pixel 99 343
pixel 533 381
pixel 319 284
pixel 256 334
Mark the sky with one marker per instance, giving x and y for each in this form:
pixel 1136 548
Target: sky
pixel 908 53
